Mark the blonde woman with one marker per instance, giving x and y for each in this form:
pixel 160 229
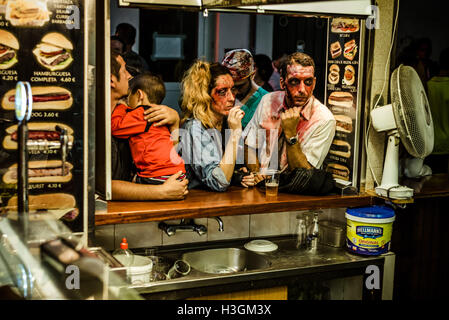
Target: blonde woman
pixel 212 127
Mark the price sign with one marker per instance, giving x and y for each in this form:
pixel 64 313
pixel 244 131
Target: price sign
pixel 47 51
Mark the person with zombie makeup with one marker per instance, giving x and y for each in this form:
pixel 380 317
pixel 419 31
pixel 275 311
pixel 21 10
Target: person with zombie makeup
pixel 212 127
pixel 291 122
pixel 240 63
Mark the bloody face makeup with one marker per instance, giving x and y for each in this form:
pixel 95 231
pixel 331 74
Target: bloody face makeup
pixel 223 95
pixel 242 88
pixel 298 85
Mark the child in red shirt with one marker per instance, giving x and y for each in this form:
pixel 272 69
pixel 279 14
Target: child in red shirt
pixel 151 147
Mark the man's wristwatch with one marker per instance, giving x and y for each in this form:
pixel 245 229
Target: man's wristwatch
pixel 292 141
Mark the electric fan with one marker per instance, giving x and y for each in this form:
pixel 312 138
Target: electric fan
pixel 408 119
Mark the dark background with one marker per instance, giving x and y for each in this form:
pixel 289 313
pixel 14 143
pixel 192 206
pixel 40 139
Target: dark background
pixel 173 22
pixel 288 29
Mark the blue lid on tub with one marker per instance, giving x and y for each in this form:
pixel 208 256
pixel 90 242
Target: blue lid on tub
pixel 373 212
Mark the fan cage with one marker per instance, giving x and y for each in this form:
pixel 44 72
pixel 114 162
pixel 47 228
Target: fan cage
pixel 412 112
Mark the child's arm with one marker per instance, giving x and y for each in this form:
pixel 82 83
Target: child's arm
pixel 126 122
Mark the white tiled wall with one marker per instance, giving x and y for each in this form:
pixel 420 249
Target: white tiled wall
pixel 270 224
pixel 234 227
pixel 138 235
pixel 104 237
pixel 184 237
pixel 144 235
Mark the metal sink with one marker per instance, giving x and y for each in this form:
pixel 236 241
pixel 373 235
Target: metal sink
pixel 224 261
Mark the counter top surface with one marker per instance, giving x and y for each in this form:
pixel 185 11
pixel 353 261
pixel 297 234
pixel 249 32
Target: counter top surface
pixel 237 201
pixel 436 185
pixel 201 203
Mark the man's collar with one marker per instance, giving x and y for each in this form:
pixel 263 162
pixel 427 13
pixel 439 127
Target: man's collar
pixel 306 111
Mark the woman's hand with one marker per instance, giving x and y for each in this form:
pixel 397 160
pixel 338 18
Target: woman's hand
pixel 258 178
pixel 235 118
pixel 247 181
pixel 161 115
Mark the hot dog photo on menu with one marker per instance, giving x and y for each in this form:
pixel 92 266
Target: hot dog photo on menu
pixel 48 133
pixel 341 102
pixel 42 171
pixel 44 98
pixel 61 204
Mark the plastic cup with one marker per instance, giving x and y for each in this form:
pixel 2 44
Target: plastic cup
pixel 180 268
pixel 271 183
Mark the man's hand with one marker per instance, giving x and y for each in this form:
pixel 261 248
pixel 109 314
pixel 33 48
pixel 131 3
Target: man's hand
pixel 289 121
pixel 161 115
pixel 174 189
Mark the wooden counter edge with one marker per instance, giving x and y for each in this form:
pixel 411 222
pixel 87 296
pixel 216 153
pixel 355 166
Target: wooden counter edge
pixel 140 216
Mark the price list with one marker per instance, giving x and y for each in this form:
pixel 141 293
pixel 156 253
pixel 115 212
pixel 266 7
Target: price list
pixel 42 42
pixel 342 93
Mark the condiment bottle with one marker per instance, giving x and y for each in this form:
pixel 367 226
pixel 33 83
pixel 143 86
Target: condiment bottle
pixel 123 254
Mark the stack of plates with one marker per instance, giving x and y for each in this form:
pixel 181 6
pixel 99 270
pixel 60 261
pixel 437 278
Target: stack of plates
pixel 261 246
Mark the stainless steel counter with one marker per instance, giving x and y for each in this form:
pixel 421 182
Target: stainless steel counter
pixel 286 263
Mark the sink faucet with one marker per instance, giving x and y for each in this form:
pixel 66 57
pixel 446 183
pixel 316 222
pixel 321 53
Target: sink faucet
pixel 185 225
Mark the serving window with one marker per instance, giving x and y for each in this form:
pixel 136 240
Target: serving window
pixel 189 32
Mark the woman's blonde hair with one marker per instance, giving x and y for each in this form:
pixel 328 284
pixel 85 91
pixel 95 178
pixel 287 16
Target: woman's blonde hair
pixel 196 85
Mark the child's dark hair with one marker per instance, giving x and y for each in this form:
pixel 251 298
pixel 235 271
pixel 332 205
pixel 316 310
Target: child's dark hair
pixel 151 84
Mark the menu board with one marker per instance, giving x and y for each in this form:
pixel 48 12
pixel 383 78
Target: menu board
pixel 42 42
pixel 342 94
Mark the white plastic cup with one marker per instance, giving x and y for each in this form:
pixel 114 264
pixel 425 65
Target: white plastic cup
pixel 271 183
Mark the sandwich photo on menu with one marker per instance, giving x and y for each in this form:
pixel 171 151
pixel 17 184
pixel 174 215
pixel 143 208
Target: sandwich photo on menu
pixel 44 98
pixel 340 148
pixel 335 49
pixel 3 6
pixel 42 206
pixel 350 50
pixel 344 25
pixel 338 171
pixel 46 133
pixel 54 52
pixel 50 171
pixel 27 13
pixel 8 49
pixel 334 74
pixel 349 77
pixel 343 123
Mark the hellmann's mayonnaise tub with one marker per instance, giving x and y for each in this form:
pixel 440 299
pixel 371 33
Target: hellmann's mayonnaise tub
pixel 369 229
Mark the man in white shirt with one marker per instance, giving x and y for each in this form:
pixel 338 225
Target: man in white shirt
pixel 291 128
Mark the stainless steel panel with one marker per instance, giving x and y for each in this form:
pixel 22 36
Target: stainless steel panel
pixel 332 234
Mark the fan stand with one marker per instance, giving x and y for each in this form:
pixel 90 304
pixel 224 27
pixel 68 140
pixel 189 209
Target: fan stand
pixel 390 187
